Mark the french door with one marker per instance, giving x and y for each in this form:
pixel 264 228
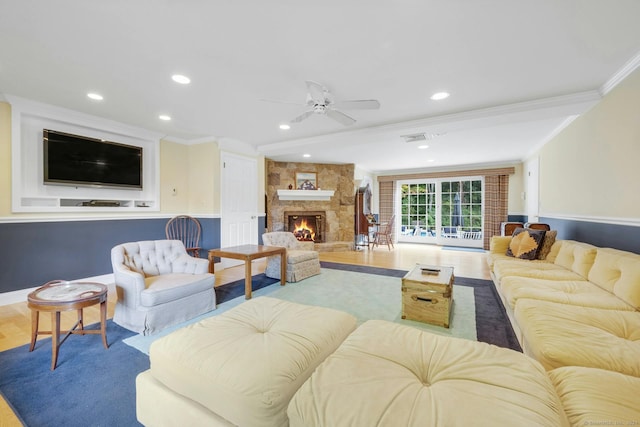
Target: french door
pixel 441 211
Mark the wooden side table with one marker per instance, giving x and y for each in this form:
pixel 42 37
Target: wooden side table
pixel 57 296
pixel 248 253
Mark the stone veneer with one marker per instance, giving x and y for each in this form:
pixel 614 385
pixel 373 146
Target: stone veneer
pixel 339 209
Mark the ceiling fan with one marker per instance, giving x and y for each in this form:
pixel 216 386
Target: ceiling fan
pixel 320 101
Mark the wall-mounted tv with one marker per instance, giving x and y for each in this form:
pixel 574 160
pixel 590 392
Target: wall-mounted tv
pixel 82 161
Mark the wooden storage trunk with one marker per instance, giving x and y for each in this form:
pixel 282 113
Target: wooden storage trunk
pixel 428 297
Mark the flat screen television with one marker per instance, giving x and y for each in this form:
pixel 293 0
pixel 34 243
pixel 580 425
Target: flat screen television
pixel 82 161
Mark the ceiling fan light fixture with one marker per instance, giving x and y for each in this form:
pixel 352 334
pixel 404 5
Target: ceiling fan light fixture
pixel 439 96
pixel 95 96
pixel 423 146
pixel 164 117
pixel 285 126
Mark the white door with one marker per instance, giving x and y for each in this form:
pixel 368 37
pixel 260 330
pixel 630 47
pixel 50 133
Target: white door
pixel 238 202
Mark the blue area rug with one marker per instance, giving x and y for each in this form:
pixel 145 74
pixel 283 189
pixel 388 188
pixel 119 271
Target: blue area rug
pixel 93 386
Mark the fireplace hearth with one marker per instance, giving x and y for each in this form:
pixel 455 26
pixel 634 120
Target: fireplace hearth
pixel 308 226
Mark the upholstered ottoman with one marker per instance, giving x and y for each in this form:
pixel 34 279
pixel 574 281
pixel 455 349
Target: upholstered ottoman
pixel 386 374
pixel 566 335
pixel 241 367
pixel 597 397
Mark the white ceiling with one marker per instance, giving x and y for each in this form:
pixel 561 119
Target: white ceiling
pixel 517 71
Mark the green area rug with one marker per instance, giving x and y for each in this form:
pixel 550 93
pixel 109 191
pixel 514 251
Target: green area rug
pixel 365 296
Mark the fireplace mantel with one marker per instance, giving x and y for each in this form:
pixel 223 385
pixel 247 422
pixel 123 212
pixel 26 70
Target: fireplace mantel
pixel 305 194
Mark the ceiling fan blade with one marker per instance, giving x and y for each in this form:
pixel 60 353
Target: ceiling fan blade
pixel 340 117
pixel 359 104
pixel 302 116
pixel 317 91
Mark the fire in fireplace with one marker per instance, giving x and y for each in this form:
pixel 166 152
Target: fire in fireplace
pixel 306 226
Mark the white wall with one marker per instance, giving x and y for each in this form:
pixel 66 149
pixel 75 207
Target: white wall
pixel 591 169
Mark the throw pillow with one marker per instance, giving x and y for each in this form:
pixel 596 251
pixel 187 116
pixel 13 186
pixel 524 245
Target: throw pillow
pixel 547 242
pixel 525 243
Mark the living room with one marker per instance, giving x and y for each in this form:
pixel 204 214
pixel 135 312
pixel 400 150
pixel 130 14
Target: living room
pixel 585 179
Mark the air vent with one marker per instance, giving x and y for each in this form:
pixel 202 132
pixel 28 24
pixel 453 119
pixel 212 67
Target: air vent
pixel 416 137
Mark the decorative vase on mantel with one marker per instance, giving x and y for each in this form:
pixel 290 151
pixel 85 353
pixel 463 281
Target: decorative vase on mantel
pixel 290 187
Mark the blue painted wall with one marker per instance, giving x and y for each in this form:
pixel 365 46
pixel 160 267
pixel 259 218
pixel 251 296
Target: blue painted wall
pixel 623 237
pixel 33 253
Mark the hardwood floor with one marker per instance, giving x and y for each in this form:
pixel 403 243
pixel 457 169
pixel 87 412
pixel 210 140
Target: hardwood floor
pixel 15 319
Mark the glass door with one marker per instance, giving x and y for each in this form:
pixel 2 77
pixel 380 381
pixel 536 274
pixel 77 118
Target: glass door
pixel 461 212
pixel 419 211
pixel 441 211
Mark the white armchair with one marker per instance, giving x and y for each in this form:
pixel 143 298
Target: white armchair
pixel 159 285
pixel 302 260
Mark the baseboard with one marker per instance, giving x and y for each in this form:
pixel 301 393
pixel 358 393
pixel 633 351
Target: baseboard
pixel 14 297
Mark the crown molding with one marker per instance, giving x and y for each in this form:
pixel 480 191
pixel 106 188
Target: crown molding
pixel 622 74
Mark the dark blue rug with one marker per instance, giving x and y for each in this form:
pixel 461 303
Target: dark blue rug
pixel 93 386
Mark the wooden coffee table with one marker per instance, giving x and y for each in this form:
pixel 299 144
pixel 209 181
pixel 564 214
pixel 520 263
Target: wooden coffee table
pixel 58 296
pixel 248 253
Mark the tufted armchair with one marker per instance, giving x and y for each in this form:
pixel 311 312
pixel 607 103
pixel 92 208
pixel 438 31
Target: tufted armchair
pixel 159 285
pixel 302 260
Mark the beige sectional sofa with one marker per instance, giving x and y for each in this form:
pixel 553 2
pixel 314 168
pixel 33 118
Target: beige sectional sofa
pixel 577 313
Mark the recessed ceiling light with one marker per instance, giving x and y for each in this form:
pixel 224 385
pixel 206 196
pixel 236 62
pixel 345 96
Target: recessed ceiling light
pixel 430 160
pixel 440 95
pixel 164 117
pixel 179 78
pixel 285 126
pixel 306 155
pixel 422 147
pixel 95 96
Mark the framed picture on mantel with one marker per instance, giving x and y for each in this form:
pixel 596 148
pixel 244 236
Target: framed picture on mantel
pixel 306 181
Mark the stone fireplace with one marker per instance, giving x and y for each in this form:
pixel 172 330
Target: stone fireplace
pixel 336 230
pixel 306 225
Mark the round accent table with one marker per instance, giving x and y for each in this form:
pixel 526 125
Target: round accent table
pixel 59 295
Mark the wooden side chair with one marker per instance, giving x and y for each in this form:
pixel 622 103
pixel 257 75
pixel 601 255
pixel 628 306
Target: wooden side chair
pixel 537 226
pixel 186 229
pixel 507 228
pixel 384 235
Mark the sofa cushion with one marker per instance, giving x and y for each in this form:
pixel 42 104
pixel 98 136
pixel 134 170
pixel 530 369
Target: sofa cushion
pixel 619 273
pixel 386 374
pixel 170 287
pixel 566 335
pixel 597 396
pixel 536 269
pixel 576 256
pixel 574 292
pixel 525 243
pixel 246 364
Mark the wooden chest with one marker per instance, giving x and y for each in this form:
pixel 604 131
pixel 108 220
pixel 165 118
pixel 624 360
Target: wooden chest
pixel 427 294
